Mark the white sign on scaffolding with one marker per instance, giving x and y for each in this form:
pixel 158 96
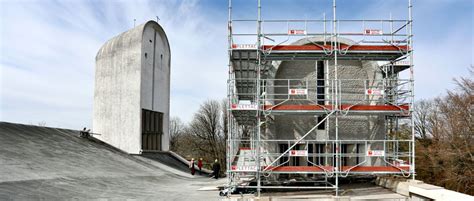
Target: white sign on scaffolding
pixel 298 91
pixel 299 153
pixel 373 32
pixel 404 62
pixel 243 106
pixel 296 32
pixel 244 46
pixel 374 92
pixel 244 168
pixel 376 153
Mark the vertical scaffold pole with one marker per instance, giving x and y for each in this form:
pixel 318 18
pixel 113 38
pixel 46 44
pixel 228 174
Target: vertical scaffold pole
pixel 336 105
pixel 327 89
pixel 410 46
pixel 230 144
pixel 259 23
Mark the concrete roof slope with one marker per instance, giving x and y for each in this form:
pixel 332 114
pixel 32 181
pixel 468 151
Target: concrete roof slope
pixel 33 152
pixel 320 39
pixel 56 164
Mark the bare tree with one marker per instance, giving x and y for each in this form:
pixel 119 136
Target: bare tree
pixel 447 159
pixel 177 128
pixel 423 112
pixel 207 126
pixel 224 126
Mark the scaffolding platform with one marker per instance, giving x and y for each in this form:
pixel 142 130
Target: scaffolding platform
pixel 349 109
pixel 322 52
pixel 345 169
pixel 294 106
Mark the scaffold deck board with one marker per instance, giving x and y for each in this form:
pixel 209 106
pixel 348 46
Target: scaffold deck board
pixel 365 48
pixel 350 108
pixel 322 52
pixel 343 168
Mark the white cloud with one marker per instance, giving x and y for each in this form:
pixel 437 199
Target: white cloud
pixel 48 56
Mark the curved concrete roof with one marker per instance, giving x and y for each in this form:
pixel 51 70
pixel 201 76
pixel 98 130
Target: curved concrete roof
pixel 316 39
pixel 130 39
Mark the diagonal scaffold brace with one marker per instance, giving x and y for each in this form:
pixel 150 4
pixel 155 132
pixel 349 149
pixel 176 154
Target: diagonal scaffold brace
pixel 299 140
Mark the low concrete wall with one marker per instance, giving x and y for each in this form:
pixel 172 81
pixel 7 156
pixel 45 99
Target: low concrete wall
pixel 417 190
pixel 182 159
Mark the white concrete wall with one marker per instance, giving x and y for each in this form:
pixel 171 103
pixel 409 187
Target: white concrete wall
pixel 123 86
pixel 155 95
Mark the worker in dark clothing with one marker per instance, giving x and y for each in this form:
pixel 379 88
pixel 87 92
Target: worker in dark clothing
pixel 200 166
pixel 191 166
pixel 85 133
pixel 216 167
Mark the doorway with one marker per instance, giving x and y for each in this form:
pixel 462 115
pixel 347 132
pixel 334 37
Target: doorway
pixel 152 130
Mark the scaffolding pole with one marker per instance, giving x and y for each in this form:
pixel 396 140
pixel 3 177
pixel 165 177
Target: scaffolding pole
pixel 259 65
pixel 336 96
pixel 410 45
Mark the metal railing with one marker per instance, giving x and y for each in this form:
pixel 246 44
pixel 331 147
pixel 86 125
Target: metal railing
pixel 322 154
pixel 284 32
pixel 321 91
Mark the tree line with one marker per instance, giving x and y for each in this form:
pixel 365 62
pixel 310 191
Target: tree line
pixel 444 128
pixel 204 136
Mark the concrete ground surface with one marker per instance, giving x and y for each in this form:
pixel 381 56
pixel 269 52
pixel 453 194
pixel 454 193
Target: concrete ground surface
pixel 39 163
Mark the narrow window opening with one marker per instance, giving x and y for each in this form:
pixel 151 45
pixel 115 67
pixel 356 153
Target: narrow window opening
pixel 321 126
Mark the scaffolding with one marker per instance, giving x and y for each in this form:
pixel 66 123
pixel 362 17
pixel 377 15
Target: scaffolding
pixel 257 159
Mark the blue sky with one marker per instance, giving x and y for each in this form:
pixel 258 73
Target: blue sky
pixel 48 48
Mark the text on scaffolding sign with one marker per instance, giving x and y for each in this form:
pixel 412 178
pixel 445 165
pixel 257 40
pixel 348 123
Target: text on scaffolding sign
pixel 374 92
pixel 402 63
pixel 373 32
pixel 244 107
pixel 296 32
pixel 244 168
pixel 244 46
pixel 298 91
pixel 299 153
pixel 376 153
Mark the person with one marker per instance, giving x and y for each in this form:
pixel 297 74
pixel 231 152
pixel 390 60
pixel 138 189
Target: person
pixel 85 133
pixel 216 167
pixel 81 133
pixel 191 166
pixel 200 166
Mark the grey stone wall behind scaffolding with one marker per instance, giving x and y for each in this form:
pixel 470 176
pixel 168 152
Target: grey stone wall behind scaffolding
pixel 360 127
